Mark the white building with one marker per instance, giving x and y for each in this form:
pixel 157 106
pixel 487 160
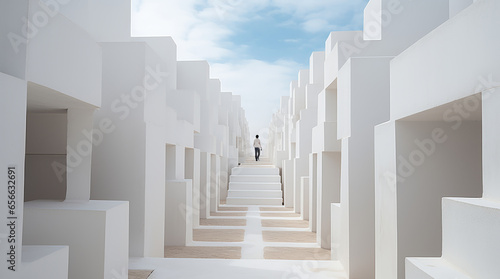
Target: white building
pixel 399 129
pixel 113 148
pixel 106 135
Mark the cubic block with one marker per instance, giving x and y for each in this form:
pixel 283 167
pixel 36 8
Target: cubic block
pixel 98 241
pixel 430 268
pixel 44 262
pixel 178 212
pixel 470 235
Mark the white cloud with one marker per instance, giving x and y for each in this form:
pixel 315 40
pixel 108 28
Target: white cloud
pixel 202 29
pixel 316 25
pixel 209 23
pixel 321 15
pixel 260 84
pixel 196 37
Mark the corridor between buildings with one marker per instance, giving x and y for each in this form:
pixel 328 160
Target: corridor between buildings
pixel 252 241
pixel 123 160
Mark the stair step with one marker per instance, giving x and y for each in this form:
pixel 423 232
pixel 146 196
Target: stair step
pixel 470 235
pixel 430 268
pixel 254 186
pixel 255 178
pixel 253 201
pixel 254 193
pixel 255 171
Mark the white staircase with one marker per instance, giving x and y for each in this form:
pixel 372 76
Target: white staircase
pixel 471 242
pixel 254 184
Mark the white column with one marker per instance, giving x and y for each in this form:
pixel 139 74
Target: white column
pixel 214 183
pixel 79 154
pixel 313 192
pixel 288 182
pixel 491 144
pixel 178 214
pixel 328 191
pixel 205 174
pixel 12 154
pixel 193 172
pixel 300 169
pixel 175 162
pixel 304 193
pixel 224 178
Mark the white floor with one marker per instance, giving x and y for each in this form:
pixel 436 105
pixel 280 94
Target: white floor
pixel 252 265
pixel 238 269
pixel 253 245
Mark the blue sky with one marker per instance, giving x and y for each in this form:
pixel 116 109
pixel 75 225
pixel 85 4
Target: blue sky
pixel 255 47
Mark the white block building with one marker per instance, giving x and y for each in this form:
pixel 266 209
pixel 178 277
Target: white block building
pixel 387 144
pixel 400 128
pixel 105 136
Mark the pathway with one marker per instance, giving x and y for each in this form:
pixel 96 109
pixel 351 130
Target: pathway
pixel 254 241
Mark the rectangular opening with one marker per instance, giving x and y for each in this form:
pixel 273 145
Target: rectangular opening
pixel 45 165
pixel 438 154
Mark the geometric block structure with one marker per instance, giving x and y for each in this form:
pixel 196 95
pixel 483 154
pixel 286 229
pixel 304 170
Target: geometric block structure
pixel 406 134
pixel 98 122
pixel 254 186
pixel 447 135
pixel 44 262
pixel 99 253
pixel 178 212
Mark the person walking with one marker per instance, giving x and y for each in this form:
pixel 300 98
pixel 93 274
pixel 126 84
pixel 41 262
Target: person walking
pixel 257 146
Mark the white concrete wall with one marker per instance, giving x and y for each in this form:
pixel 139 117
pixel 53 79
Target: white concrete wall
pixel 423 155
pixel 364 94
pixel 223 178
pixel 304 193
pixel 300 169
pixel 79 164
pixel 97 253
pixel 214 183
pixel 328 192
pixel 192 171
pixel 205 178
pixel 433 104
pixel 490 135
pixel 105 21
pixel 288 185
pixel 73 55
pixel 125 68
pixel 389 26
pixel 175 162
pixel 386 236
pixel 178 212
pixel 44 262
pixel 80 57
pixel 13 120
pixel 421 81
pixel 46 140
pixel 456 6
pixel 13 38
pixel 313 192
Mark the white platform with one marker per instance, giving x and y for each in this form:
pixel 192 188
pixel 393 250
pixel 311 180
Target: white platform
pixel 430 268
pixel 178 212
pixel 471 230
pixel 41 262
pixel 253 201
pixel 254 193
pixel 241 269
pixel 255 171
pixel 98 241
pixel 255 185
pixel 255 178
